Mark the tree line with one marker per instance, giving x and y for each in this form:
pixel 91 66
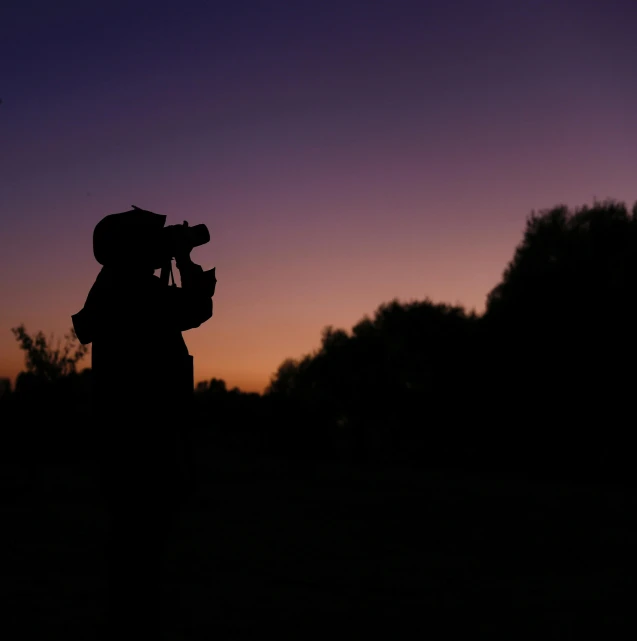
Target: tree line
pixel 541 383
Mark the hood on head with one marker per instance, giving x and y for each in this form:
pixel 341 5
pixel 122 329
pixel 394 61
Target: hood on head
pixel 117 237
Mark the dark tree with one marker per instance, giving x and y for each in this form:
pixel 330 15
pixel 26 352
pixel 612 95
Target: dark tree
pixel 537 386
pixel 5 388
pixel 51 383
pixel 560 330
pixel 387 382
pixel 45 361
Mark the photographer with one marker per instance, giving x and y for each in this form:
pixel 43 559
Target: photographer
pixel 143 384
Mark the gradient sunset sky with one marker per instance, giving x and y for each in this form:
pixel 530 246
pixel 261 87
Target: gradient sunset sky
pixel 341 153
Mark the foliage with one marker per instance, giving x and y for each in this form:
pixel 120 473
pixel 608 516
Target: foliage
pixel 549 355
pixel 5 387
pixel 568 262
pixel 373 386
pixel 214 386
pixel 46 362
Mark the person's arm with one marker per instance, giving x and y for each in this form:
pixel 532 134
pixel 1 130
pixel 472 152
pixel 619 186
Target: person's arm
pixel 192 302
pixel 188 271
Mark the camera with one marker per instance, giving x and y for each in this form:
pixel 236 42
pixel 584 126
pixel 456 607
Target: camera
pixel 175 238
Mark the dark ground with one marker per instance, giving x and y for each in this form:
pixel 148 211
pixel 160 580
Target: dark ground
pixel 270 548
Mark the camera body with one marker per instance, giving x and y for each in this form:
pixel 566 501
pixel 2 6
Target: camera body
pixel 175 239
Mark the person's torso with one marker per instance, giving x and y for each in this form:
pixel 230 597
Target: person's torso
pixel 140 362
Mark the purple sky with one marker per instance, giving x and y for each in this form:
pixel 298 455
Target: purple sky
pixel 341 153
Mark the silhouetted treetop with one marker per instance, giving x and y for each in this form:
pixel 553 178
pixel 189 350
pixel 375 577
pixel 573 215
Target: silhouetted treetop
pixel 579 263
pixel 48 362
pixel 214 386
pixel 400 348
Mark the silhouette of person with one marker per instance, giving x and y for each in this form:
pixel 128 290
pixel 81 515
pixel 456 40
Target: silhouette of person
pixel 143 381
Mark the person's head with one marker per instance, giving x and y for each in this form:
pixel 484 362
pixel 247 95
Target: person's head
pixel 130 239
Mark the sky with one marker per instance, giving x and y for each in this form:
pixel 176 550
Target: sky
pixel 342 154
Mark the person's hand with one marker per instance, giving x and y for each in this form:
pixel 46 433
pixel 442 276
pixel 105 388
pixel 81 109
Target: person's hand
pixel 182 247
